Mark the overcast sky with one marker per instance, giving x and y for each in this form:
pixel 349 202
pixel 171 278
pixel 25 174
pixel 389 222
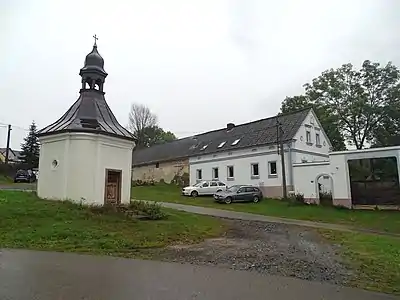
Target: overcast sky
pixel 197 64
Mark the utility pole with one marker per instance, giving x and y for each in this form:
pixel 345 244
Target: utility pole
pixel 279 132
pixel 8 143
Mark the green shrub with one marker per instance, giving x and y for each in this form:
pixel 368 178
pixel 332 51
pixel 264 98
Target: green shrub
pixel 341 207
pixel 181 180
pixel 296 199
pixel 152 210
pixel 140 182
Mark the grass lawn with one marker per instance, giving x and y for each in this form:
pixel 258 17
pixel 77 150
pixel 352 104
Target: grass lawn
pixel 5 179
pixel 30 223
pixel 379 220
pixel 375 259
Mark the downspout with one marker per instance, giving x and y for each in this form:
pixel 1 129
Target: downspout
pixel 290 165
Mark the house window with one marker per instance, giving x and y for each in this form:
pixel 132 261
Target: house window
pixel 215 174
pixel 235 142
pixel 272 168
pixel 157 165
pixel 221 145
pixel 231 174
pixel 317 139
pixel 199 174
pixel 254 170
pixel 308 136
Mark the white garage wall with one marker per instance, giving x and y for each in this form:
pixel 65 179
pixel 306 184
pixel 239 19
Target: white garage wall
pixel 305 176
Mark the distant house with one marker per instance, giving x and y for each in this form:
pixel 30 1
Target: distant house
pixel 239 154
pixel 162 162
pixel 14 156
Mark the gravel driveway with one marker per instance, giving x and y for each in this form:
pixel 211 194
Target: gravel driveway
pixel 268 248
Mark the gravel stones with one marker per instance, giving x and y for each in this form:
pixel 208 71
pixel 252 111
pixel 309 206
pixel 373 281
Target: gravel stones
pixel 268 248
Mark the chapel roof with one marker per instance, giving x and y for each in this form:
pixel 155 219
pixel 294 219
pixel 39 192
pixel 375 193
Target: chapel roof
pixel 90 113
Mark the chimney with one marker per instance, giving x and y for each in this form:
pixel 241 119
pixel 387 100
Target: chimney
pixel 230 126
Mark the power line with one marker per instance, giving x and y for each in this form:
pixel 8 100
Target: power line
pixel 13 126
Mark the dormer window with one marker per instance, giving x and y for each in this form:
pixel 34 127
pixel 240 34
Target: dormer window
pixel 221 145
pixel 204 147
pixel 235 142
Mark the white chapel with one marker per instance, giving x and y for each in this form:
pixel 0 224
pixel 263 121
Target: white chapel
pixel 86 155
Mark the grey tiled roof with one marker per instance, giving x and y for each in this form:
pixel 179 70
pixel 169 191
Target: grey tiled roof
pixel 90 113
pixel 261 132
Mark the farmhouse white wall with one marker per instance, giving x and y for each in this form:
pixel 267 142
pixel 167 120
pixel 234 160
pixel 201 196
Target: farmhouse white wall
pixel 82 162
pixel 242 160
pixel 311 151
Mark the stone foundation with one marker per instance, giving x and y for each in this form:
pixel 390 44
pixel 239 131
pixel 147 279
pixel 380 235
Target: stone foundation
pixel 342 202
pixel 274 191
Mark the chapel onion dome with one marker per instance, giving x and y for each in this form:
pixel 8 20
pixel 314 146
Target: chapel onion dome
pixel 94 61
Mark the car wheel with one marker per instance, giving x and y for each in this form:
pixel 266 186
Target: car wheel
pixel 256 199
pixel 228 200
pixel 194 194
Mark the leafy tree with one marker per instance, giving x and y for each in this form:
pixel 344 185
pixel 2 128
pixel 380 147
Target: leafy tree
pixel 30 147
pixel 356 103
pixel 143 125
pixel 387 132
pixel 155 135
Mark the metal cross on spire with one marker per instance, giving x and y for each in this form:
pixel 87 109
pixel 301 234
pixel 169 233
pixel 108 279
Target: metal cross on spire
pixel 95 40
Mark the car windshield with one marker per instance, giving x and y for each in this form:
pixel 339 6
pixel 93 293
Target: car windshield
pixel 198 184
pixel 233 188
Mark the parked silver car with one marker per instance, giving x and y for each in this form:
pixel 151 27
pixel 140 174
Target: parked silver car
pixel 205 187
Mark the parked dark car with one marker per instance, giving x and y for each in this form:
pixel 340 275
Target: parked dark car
pixel 24 176
pixel 239 193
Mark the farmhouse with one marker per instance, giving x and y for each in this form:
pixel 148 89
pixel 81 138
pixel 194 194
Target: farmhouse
pixel 14 156
pixel 239 154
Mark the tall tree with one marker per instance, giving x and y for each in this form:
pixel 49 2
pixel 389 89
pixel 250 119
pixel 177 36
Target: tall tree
pixel 387 133
pixel 140 118
pixel 355 102
pixel 143 125
pixel 155 135
pixel 30 147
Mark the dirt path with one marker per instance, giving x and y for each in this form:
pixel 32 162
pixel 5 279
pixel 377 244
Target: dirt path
pixel 267 248
pixel 221 213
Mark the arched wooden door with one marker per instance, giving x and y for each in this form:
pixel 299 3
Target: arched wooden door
pixel 112 190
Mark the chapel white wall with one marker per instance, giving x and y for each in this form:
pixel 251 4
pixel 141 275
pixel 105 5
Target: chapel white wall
pixel 82 162
pixel 51 180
